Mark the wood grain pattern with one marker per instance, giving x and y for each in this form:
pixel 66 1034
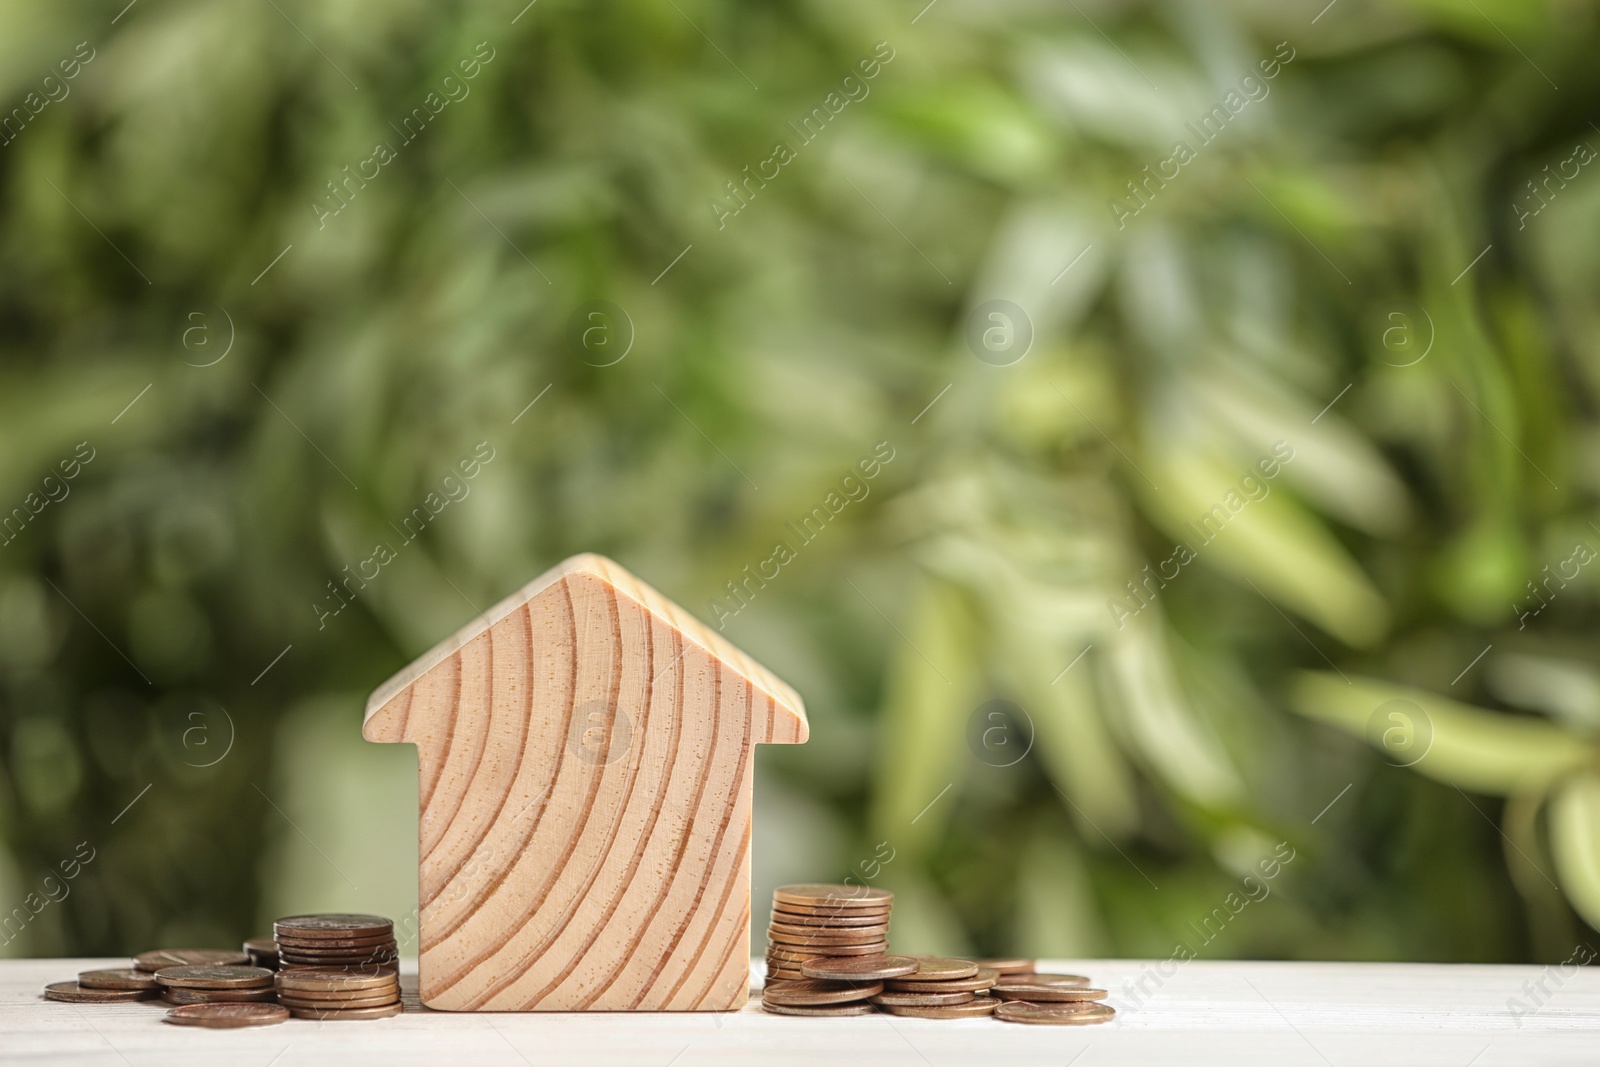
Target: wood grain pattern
pixel 585 752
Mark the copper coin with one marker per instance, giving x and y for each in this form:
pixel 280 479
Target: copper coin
pixel 331 943
pixel 815 994
pixel 1008 965
pixel 893 999
pixel 863 1008
pixel 188 957
pixel 1065 981
pixel 834 916
pixel 124 978
pixel 340 1003
pixel 206 976
pixel 353 950
pixel 329 978
pixel 73 993
pixel 801 952
pixel 336 946
pixel 217 996
pixel 832 922
pixel 260 944
pixel 832 896
pixel 861 936
pixel 332 925
pixel 942 969
pixel 860 969
pixel 227 1016
pixel 1010 989
pixel 972 1009
pixel 347 1014
pixel 782 975
pixel 1083 1013
pixel 980 981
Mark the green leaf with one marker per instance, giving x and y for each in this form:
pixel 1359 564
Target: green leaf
pixel 1473 748
pixel 1575 840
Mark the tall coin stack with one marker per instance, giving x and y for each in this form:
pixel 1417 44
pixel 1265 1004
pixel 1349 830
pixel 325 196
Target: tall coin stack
pixel 822 922
pixel 348 941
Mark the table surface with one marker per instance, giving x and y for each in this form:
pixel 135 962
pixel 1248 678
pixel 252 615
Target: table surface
pixel 1235 1013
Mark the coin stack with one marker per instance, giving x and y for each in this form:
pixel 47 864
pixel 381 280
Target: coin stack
pixel 331 994
pixel 105 987
pixel 1051 1000
pixel 215 984
pixel 322 941
pixel 812 922
pixel 940 988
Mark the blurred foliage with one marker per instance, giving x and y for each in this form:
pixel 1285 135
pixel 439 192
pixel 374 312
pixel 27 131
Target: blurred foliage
pixel 1353 266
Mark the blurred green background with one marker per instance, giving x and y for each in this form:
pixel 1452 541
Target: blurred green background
pixel 254 362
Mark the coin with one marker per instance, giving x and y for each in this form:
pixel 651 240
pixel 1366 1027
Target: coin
pixel 859 969
pixel 1066 981
pixel 920 1000
pixel 330 945
pixel 332 926
pixel 972 1009
pixel 814 994
pixel 811 920
pixel 833 1010
pixel 860 936
pixel 227 1016
pixel 347 1014
pixel 942 969
pixel 331 1004
pixel 1014 990
pixel 1008 965
pixel 1082 1013
pixel 802 952
pixel 980 981
pixel 832 896
pixel 263 952
pixel 124 978
pixel 783 974
pixel 176 995
pixel 330 978
pixel 188 957
pixel 73 993
pixel 206 976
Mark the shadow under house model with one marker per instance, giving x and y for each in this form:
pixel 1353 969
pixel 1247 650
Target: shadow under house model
pixel 585 752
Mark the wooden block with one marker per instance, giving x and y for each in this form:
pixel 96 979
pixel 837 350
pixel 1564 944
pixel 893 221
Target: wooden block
pixel 585 753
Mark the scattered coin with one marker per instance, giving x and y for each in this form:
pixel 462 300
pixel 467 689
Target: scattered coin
pixel 206 976
pixel 263 952
pixel 1013 990
pixel 345 1014
pixel 332 926
pixel 860 968
pixel 188 957
pixel 920 1000
pixel 833 896
pixel 837 1009
pixel 1008 965
pixel 227 1016
pixel 975 1008
pixel 176 995
pixel 73 993
pixel 1068 981
pixel 813 993
pixel 983 980
pixel 941 969
pixel 1083 1013
pixel 123 978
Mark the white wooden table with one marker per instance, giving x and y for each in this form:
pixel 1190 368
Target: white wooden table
pixel 1237 1014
